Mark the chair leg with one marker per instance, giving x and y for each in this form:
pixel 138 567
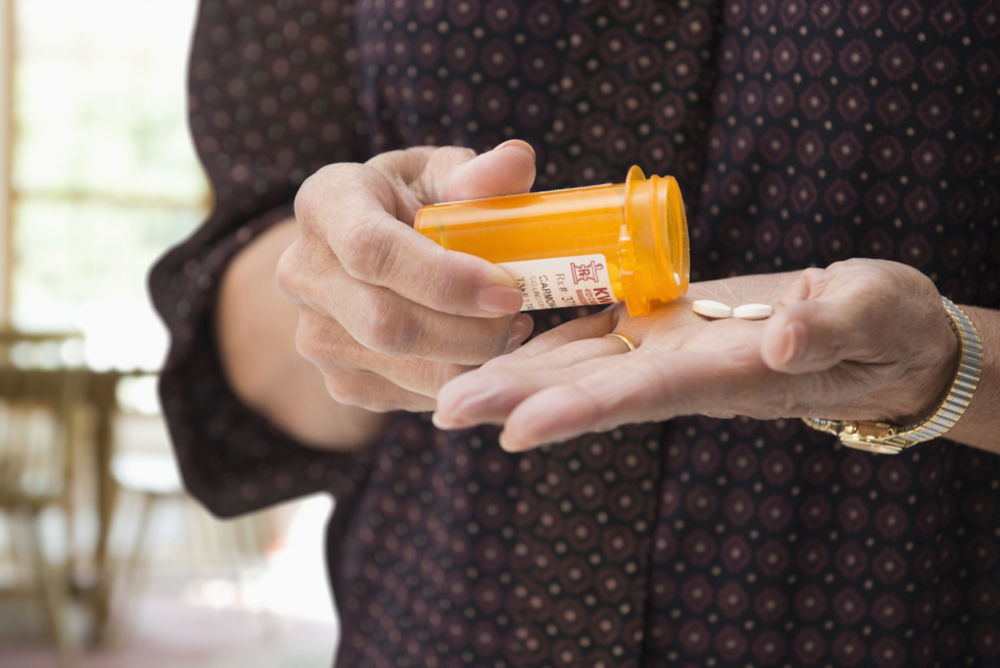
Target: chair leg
pixel 211 553
pixel 54 583
pixel 129 574
pixel 10 553
pixel 250 561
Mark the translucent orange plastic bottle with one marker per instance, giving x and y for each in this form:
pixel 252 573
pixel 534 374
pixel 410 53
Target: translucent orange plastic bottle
pixel 595 245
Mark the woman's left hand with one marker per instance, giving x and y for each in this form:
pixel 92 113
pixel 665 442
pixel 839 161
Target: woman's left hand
pixel 861 339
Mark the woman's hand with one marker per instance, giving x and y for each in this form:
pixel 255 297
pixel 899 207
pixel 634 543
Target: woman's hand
pixel 385 314
pixel 862 339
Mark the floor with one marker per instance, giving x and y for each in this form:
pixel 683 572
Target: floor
pixel 171 631
pixel 272 615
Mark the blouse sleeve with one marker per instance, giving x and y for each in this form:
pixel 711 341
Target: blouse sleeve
pixel 269 103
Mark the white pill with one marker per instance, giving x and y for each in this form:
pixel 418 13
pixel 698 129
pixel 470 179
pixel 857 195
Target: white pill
pixel 711 309
pixel 753 311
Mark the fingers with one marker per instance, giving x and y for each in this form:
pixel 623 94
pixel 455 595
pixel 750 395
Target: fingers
pixel 376 249
pixel 453 173
pixel 859 339
pixel 589 327
pixel 847 312
pixel 387 315
pixel 586 385
pixel 650 385
pixel 387 323
pixel 506 170
pixel 372 392
pixel 384 322
pixel 572 380
pixel 357 210
pixel 356 376
pixel 612 393
pixel 489 394
pixel 806 337
pixel 877 318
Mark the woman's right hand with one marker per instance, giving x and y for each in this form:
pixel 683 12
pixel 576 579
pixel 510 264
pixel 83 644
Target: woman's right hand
pixel 385 314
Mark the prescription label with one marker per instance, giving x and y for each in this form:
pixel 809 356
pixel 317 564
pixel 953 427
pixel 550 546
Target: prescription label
pixel 577 280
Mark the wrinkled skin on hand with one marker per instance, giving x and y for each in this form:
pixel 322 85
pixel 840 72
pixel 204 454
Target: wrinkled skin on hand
pixel 863 339
pixel 385 314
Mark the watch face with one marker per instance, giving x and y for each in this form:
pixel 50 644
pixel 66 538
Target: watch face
pixel 876 448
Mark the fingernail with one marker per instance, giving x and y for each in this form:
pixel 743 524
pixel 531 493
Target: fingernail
pixel 792 340
pixel 511 445
pixel 520 329
pixel 500 299
pixel 519 143
pixel 504 440
pixel 441 423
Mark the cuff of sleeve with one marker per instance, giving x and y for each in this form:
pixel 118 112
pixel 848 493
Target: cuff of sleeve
pixel 231 458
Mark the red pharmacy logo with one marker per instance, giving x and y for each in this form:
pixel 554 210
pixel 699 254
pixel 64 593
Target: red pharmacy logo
pixel 586 272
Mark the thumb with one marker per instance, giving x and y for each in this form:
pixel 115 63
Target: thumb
pixel 814 335
pixel 507 169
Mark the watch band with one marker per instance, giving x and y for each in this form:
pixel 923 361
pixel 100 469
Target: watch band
pixel 885 438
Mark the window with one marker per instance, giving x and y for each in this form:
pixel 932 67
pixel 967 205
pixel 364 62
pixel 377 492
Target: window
pixel 103 174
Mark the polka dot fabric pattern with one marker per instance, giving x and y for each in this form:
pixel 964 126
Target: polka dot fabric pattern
pixel 801 133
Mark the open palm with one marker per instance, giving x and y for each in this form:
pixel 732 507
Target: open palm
pixel 862 339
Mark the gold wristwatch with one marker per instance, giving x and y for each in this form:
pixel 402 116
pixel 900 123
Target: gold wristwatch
pixel 889 439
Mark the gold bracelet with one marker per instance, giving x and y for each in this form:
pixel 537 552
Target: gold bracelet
pixel 889 439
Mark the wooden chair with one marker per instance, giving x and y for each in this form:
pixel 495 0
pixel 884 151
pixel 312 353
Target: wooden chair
pixel 36 411
pixel 151 484
pixel 35 349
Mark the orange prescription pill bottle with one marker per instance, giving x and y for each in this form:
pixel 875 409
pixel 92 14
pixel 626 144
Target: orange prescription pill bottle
pixel 595 245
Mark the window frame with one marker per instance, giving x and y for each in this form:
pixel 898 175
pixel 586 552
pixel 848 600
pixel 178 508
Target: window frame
pixel 17 194
pixel 8 56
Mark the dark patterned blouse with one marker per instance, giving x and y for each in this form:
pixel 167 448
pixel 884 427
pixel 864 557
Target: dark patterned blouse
pixel 801 133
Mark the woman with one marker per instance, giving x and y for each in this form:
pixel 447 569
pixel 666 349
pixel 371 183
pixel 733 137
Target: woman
pixel 801 135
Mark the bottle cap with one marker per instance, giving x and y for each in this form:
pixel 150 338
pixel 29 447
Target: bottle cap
pixel 653 245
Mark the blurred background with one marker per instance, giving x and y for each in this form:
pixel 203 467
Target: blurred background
pixel 104 561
